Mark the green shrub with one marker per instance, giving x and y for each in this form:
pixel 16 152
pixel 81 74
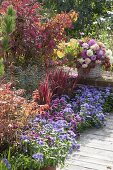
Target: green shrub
pixel 89 12
pixel 1 67
pixel 108 105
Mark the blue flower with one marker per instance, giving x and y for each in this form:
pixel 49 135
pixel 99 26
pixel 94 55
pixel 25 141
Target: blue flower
pixel 68 110
pixel 6 162
pixel 38 156
pixel 40 142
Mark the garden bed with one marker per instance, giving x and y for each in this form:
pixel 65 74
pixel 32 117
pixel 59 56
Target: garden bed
pixel 51 132
pixel 44 109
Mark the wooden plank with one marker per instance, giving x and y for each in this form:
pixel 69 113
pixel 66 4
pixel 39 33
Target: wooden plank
pixel 95 156
pixel 92 160
pixel 104 145
pixel 102 132
pixel 95 136
pixel 96 151
pixel 89 165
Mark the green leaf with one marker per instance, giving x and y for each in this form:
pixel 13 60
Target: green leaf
pixel 5 43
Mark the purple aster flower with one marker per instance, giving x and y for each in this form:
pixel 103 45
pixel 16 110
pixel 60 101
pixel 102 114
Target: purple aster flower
pixel 101 116
pixel 69 105
pixel 72 133
pixel 81 42
pixel 78 118
pixel 91 42
pixel 70 150
pixel 40 142
pixel 100 53
pixel 24 138
pixel 38 156
pixel 37 119
pixel 63 137
pixel 84 54
pixel 86 105
pixel 93 58
pixel 68 110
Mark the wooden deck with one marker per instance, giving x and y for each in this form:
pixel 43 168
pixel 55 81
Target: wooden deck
pixel 96 151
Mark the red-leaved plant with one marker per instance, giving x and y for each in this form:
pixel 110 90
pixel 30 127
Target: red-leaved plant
pixel 15 110
pixel 61 82
pixel 34 39
pixel 44 94
pixel 10 113
pixel 57 83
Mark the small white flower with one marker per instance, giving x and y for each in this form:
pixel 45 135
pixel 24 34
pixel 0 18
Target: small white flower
pixel 95 22
pixel 102 19
pixel 81 60
pixel 10 125
pixel 108 28
pixel 84 66
pixel 110 12
pixel 89 52
pixel 108 53
pixel 85 45
pixel 111 60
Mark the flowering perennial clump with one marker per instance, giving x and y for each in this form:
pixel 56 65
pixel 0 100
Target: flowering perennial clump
pixel 85 53
pixel 49 136
pixel 93 53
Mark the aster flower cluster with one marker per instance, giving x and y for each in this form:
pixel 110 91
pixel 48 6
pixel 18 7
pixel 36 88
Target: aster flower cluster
pixel 88 103
pixel 85 108
pixel 48 142
pixel 93 53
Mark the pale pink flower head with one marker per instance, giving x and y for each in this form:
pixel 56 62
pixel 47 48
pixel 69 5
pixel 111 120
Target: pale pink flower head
pixel 95 47
pixel 87 61
pixel 85 45
pixel 101 44
pixel 98 62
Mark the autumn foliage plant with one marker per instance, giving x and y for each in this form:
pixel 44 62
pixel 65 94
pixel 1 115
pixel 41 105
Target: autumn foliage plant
pixel 10 113
pixel 15 110
pixel 34 38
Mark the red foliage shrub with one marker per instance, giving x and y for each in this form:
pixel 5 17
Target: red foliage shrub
pixel 33 37
pixel 10 114
pixel 14 113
